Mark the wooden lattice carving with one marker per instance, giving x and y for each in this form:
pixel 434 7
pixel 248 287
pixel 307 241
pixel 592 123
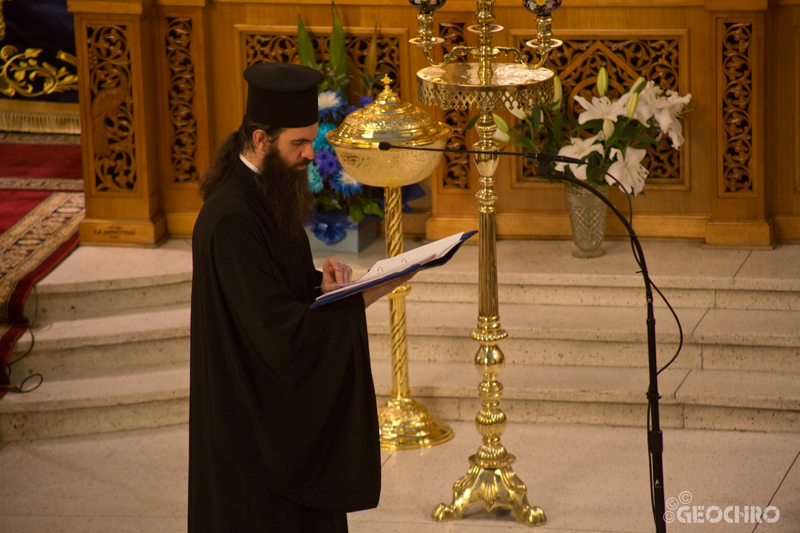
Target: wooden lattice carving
pixel 736 100
pixel 578 62
pixel 456 175
pixel 112 127
pixel 181 92
pixel 261 47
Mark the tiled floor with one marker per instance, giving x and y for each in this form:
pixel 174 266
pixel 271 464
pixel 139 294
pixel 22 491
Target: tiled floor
pixel 586 478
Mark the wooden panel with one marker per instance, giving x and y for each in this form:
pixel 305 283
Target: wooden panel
pixel 185 150
pixel 688 36
pixel 118 121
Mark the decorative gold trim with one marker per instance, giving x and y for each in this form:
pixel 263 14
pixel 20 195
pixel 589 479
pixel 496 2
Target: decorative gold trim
pixel 39 117
pixel 22 74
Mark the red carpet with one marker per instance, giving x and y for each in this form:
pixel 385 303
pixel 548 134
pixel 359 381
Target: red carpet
pixel 41 204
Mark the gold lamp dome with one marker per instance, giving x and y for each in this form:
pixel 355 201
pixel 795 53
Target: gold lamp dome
pixel 388 119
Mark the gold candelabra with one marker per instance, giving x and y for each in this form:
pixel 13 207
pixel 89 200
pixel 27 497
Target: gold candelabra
pixel 404 423
pixel 490 480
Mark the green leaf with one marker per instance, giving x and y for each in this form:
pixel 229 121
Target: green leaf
pixel 371 61
pixel 522 140
pixel 338 56
pixel 304 47
pixel 328 204
pixel 472 121
pixel 501 124
pixel 357 213
pixel 372 208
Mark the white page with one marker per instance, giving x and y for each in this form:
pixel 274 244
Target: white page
pixel 420 255
pixel 386 267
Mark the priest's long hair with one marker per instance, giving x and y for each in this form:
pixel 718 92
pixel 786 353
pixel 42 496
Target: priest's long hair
pixel 228 154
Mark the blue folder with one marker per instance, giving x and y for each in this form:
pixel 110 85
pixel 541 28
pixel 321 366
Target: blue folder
pixel 414 267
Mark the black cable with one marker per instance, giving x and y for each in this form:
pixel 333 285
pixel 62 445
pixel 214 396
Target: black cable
pixel 21 388
pixel 655 442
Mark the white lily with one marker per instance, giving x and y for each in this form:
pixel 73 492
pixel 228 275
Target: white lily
pixel 579 148
pixel 650 102
pixel 602 108
pixel 668 116
pixel 628 169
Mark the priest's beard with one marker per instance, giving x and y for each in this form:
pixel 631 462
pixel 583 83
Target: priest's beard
pixel 285 190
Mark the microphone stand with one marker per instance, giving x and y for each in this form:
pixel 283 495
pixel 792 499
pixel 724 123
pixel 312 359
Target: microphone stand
pixel 655 440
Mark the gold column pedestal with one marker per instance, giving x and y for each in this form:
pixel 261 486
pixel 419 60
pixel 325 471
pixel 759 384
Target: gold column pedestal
pixel 490 480
pixel 405 424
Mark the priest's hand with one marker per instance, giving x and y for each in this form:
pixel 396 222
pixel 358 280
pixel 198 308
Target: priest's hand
pixel 334 274
pixel 374 294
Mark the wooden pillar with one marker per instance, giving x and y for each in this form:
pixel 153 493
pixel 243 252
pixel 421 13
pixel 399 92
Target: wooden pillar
pixel 738 215
pixel 184 134
pixel 118 122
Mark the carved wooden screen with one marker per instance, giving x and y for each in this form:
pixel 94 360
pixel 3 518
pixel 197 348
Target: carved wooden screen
pixel 111 96
pixel 797 107
pixel 737 71
pixel 279 44
pixel 653 55
pixel 457 166
pixel 181 100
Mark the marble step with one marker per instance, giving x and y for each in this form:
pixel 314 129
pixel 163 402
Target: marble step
pixel 102 404
pixel 703 399
pixel 96 282
pixel 736 340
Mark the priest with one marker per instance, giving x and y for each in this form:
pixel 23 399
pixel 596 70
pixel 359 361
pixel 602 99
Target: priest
pixel 283 429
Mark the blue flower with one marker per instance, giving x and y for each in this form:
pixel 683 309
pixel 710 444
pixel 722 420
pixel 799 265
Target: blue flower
pixel 365 100
pixel 314 179
pixel 321 142
pixel 327 162
pixel 330 226
pixel 330 104
pixel 349 109
pixel 346 184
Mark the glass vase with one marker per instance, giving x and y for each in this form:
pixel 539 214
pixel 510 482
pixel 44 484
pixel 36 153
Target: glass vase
pixel 587 217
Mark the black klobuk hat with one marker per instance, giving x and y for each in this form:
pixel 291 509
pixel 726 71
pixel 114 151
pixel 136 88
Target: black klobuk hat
pixel 282 95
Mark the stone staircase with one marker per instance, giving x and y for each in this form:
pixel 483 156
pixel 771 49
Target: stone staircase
pixel 112 338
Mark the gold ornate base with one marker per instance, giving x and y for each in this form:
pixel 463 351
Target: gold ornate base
pixel 492 488
pixel 407 425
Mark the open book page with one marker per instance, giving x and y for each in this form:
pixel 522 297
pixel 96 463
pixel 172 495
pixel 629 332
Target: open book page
pixel 420 256
pixel 399 265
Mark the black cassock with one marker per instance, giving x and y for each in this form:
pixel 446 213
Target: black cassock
pixel 283 427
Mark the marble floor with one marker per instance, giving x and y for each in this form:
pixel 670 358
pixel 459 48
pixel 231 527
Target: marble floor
pixel 586 478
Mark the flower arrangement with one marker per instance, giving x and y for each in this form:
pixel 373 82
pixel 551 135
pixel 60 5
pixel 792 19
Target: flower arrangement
pixel 340 200
pixel 609 134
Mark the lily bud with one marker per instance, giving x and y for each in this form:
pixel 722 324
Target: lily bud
pixel 639 85
pixel 502 125
pixel 633 103
pixel 602 81
pixel 608 129
pixel 517 112
pixel 557 91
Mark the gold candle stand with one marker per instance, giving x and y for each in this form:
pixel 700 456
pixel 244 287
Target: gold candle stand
pixel 405 424
pixel 490 480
